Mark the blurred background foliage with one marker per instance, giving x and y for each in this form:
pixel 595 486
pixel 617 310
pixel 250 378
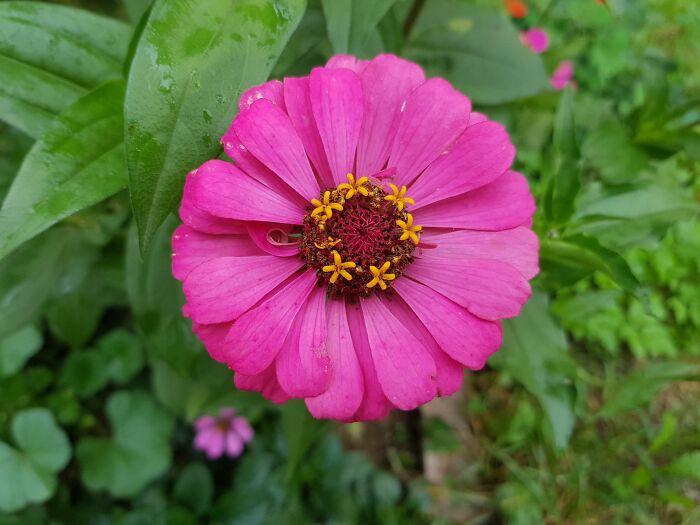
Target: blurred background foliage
pixel 589 414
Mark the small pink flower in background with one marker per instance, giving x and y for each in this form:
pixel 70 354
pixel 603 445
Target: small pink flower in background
pixel 563 76
pixel 364 246
pixel 536 39
pixel 225 434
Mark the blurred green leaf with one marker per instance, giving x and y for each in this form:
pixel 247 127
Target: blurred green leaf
pixel 535 353
pixel 136 454
pixel 685 466
pixel 27 474
pixel 306 47
pixel 136 8
pixel 457 40
pixel 564 177
pixel 17 348
pixel 192 61
pixel 351 22
pixel 77 163
pixel 570 259
pixel 641 386
pixel 84 373
pixel 49 56
pixel 610 150
pixel 123 354
pixel 194 488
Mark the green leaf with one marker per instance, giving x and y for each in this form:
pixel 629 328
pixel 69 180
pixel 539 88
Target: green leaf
pixel 28 276
pixel 564 179
pixel 570 259
pixel 136 454
pixel 306 47
pixel 535 353
pixel 123 354
pixel 27 474
pixel 77 163
pixel 17 348
pixel 641 386
pixel 136 8
pixel 194 488
pixel 350 23
pixel 84 373
pixel 478 50
pixel 192 63
pixel 610 150
pixel 51 55
pixel 686 466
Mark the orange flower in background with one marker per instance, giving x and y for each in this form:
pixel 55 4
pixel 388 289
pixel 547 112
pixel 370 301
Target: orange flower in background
pixel 516 8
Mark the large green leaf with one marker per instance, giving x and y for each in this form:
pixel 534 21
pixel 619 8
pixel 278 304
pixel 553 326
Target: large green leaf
pixel 136 454
pixel 51 55
pixel 193 61
pixel 350 23
pixel 27 474
pixel 77 163
pixel 535 353
pixel 477 49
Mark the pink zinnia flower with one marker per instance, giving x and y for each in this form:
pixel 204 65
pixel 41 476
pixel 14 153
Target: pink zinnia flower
pixel 225 434
pixel 563 75
pixel 363 248
pixel 536 39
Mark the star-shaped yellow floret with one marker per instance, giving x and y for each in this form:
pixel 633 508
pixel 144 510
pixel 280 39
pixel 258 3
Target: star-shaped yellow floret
pixel 409 231
pixel 399 198
pixel 325 208
pixel 354 187
pixel 380 276
pixel 339 268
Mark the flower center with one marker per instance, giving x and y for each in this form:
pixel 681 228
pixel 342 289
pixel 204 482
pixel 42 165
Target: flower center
pixel 359 238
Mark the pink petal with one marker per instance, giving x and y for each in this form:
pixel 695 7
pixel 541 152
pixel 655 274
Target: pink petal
pixel 303 366
pixel 213 336
pixel 502 204
pixel 227 413
pixel 271 91
pixel 347 62
pixel 265 383
pixel 191 248
pixel 563 75
pixel 256 336
pixel 374 405
pixel 432 118
pixel 243 429
pixel 234 445
pixel 337 102
pixel 489 289
pixel 298 100
pixel 344 394
pixel 450 373
pixel 477 118
pixel 518 247
pixel 211 442
pixel 265 234
pixel 387 81
pixel 252 167
pixel 204 422
pixel 463 336
pixel 266 131
pixel 405 367
pixel 481 155
pixel 221 189
pixel 201 220
pixel 536 39
pixel 223 289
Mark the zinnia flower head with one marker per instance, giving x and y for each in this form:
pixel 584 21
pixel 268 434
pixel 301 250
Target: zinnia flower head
pixel 563 75
pixel 536 39
pixel 225 434
pixel 365 243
